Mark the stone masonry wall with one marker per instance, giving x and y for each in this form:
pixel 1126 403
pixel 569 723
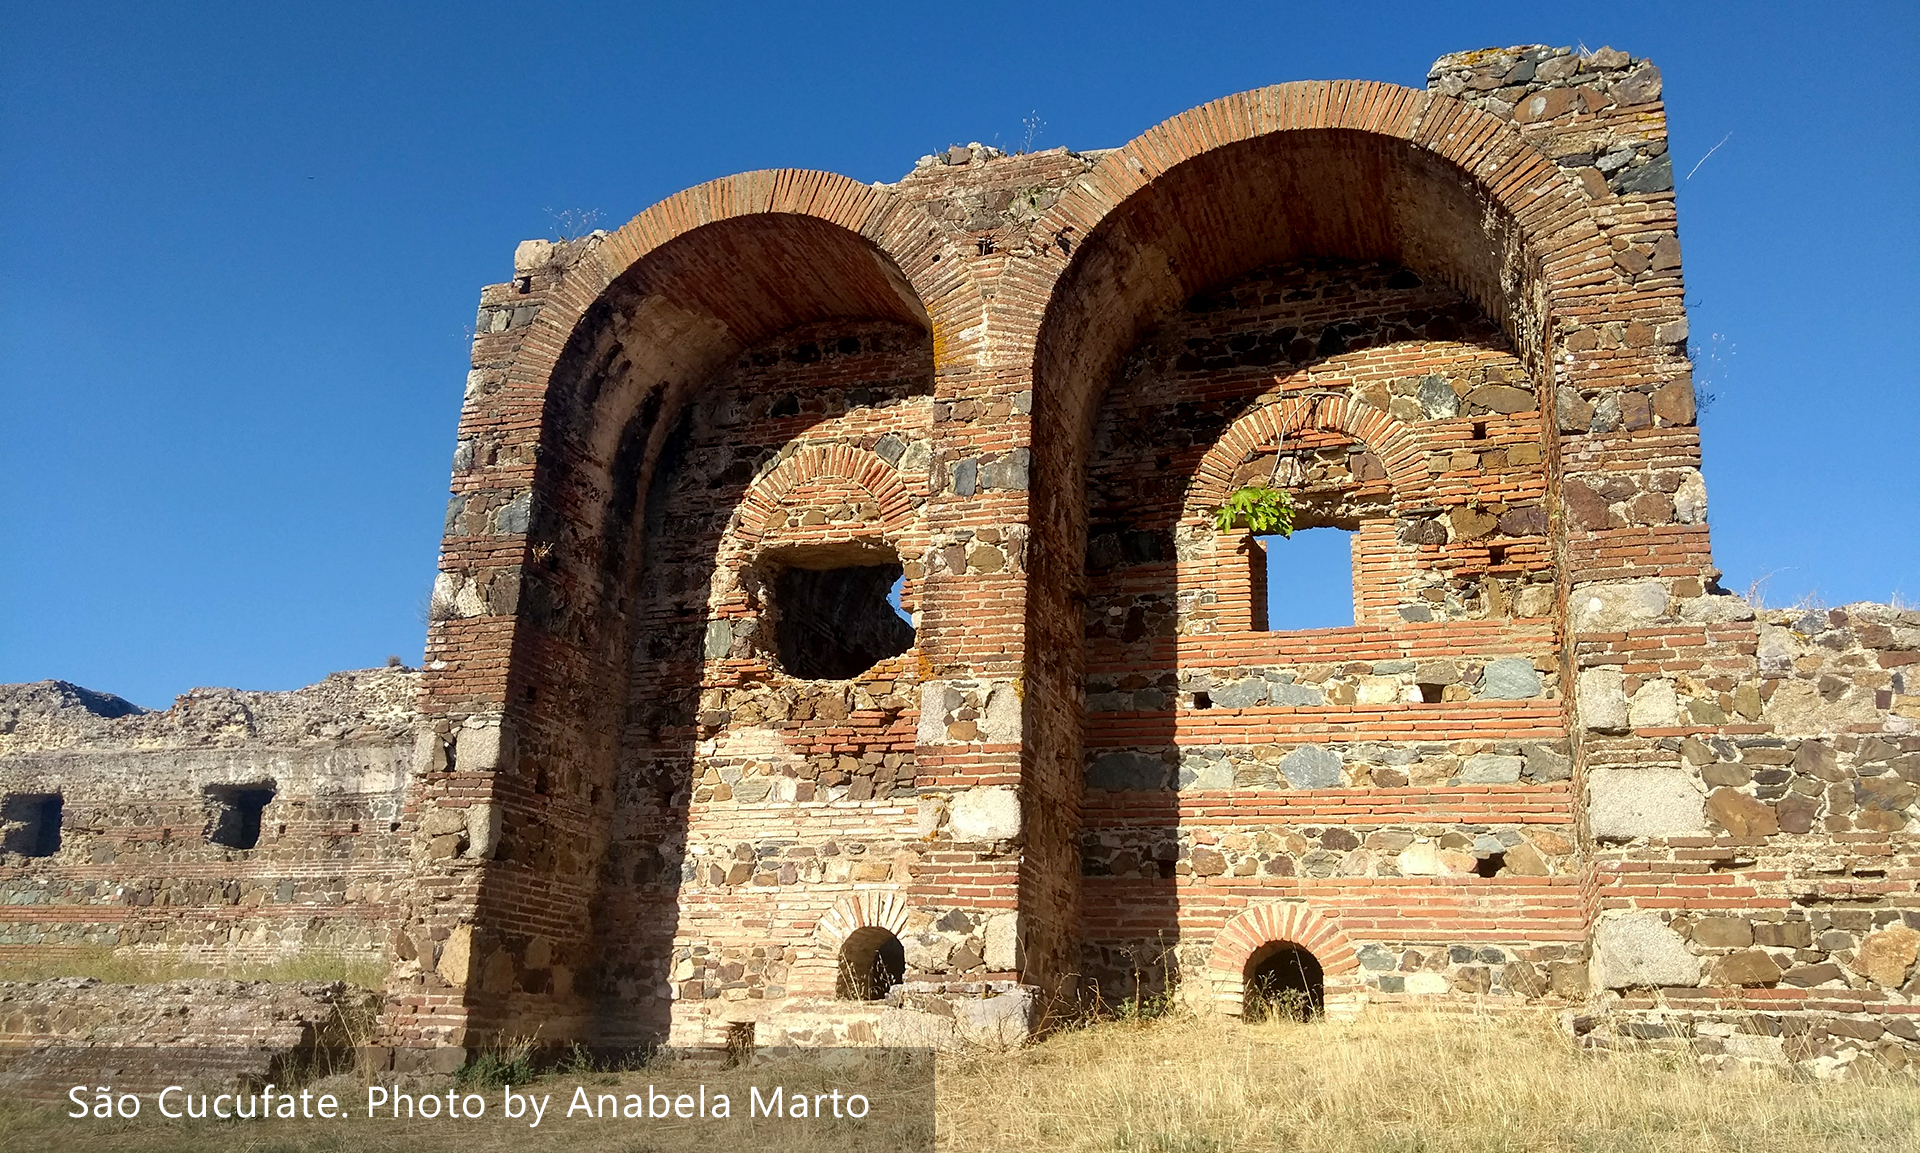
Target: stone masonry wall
pixel 1447 682
pixel 1759 903
pixel 140 799
pixel 55 1033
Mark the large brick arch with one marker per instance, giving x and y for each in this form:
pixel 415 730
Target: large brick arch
pixel 638 317
pixel 1551 213
pixel 1346 169
pixel 1351 170
pixel 612 342
pixel 899 233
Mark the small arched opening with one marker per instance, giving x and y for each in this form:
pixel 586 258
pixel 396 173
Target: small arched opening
pixel 872 962
pixel 1283 982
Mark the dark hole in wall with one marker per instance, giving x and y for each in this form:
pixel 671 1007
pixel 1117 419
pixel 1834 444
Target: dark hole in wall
pixel 32 823
pixel 872 962
pixel 1284 982
pixel 1490 865
pixel 1432 694
pixel 836 623
pixel 237 809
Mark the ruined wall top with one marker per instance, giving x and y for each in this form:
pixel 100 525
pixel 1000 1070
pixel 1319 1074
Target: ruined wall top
pixel 365 704
pixel 1593 113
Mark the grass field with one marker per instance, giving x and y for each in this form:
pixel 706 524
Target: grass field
pixel 1396 1084
pixel 1390 1084
pixel 125 967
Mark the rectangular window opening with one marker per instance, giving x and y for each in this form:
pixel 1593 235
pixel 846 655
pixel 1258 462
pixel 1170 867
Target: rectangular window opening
pixel 836 623
pixel 1306 579
pixel 236 813
pixel 32 824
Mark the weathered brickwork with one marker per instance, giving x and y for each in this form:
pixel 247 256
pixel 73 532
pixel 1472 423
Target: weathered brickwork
pixel 831 638
pixel 1392 408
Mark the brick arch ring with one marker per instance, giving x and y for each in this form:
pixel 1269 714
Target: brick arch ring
pixel 1253 929
pixel 1385 436
pixel 857 466
pixel 871 909
pixel 903 233
pixel 1553 212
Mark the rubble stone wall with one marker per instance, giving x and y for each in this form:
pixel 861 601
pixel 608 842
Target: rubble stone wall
pixel 57 1033
pixel 1759 902
pixel 141 797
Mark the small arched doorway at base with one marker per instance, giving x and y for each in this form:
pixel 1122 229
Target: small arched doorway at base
pixel 872 962
pixel 1283 982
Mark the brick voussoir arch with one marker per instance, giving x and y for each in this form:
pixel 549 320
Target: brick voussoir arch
pixel 1291 922
pixel 839 462
pixel 1388 438
pixel 901 233
pixel 868 909
pixel 817 971
pixel 1254 928
pixel 1551 209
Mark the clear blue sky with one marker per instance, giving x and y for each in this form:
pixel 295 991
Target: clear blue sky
pixel 244 243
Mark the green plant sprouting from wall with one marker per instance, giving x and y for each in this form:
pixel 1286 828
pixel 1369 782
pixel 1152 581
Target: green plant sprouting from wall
pixel 1257 508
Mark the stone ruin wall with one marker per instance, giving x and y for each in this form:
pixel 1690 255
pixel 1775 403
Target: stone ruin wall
pixel 1551 764
pixel 52 1032
pixel 142 796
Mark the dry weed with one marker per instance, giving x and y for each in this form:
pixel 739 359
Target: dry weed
pixel 1390 1084
pixel 1393 1083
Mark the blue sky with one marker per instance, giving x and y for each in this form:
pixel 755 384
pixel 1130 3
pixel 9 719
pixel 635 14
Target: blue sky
pixel 245 242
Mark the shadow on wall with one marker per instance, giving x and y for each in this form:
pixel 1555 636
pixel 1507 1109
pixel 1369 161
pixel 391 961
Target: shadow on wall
pixel 817 617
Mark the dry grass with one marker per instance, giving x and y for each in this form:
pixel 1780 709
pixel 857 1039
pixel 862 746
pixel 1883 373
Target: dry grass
pixel 124 967
pixel 1394 1084
pixel 1397 1084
